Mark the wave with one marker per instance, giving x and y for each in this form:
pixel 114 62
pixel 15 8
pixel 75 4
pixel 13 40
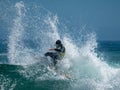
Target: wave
pixel 34 31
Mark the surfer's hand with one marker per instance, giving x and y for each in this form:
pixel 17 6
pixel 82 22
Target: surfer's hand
pixel 52 49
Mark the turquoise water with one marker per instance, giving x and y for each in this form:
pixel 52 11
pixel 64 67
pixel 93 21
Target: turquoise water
pixel 33 76
pixel 11 79
pixel 88 64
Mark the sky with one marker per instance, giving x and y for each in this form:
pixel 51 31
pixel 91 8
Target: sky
pixel 103 16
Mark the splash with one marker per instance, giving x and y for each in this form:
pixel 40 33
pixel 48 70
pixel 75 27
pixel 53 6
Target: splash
pixel 20 45
pixel 15 38
pixel 33 33
pixel 87 68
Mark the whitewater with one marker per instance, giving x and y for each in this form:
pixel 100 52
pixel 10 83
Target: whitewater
pixel 34 30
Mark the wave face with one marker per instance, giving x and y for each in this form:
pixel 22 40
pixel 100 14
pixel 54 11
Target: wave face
pixel 33 31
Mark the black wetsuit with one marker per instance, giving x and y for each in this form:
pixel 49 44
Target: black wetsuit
pixel 58 55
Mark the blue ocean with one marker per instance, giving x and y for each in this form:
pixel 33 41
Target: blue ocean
pixel 89 64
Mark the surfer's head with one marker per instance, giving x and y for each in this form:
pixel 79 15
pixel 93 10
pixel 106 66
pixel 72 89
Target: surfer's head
pixel 58 43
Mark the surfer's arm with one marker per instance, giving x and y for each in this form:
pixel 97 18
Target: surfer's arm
pixel 52 49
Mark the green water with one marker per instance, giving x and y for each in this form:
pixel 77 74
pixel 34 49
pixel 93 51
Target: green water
pixel 11 78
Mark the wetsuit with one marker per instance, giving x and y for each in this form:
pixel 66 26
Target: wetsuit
pixel 57 55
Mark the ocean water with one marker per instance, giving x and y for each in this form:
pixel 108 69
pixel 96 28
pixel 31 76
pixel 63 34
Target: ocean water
pixel 91 75
pixel 89 64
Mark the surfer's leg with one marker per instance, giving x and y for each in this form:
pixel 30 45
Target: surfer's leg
pixel 49 54
pixel 53 56
pixel 54 62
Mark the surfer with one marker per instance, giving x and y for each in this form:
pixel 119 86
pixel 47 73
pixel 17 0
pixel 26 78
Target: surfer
pixel 59 52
